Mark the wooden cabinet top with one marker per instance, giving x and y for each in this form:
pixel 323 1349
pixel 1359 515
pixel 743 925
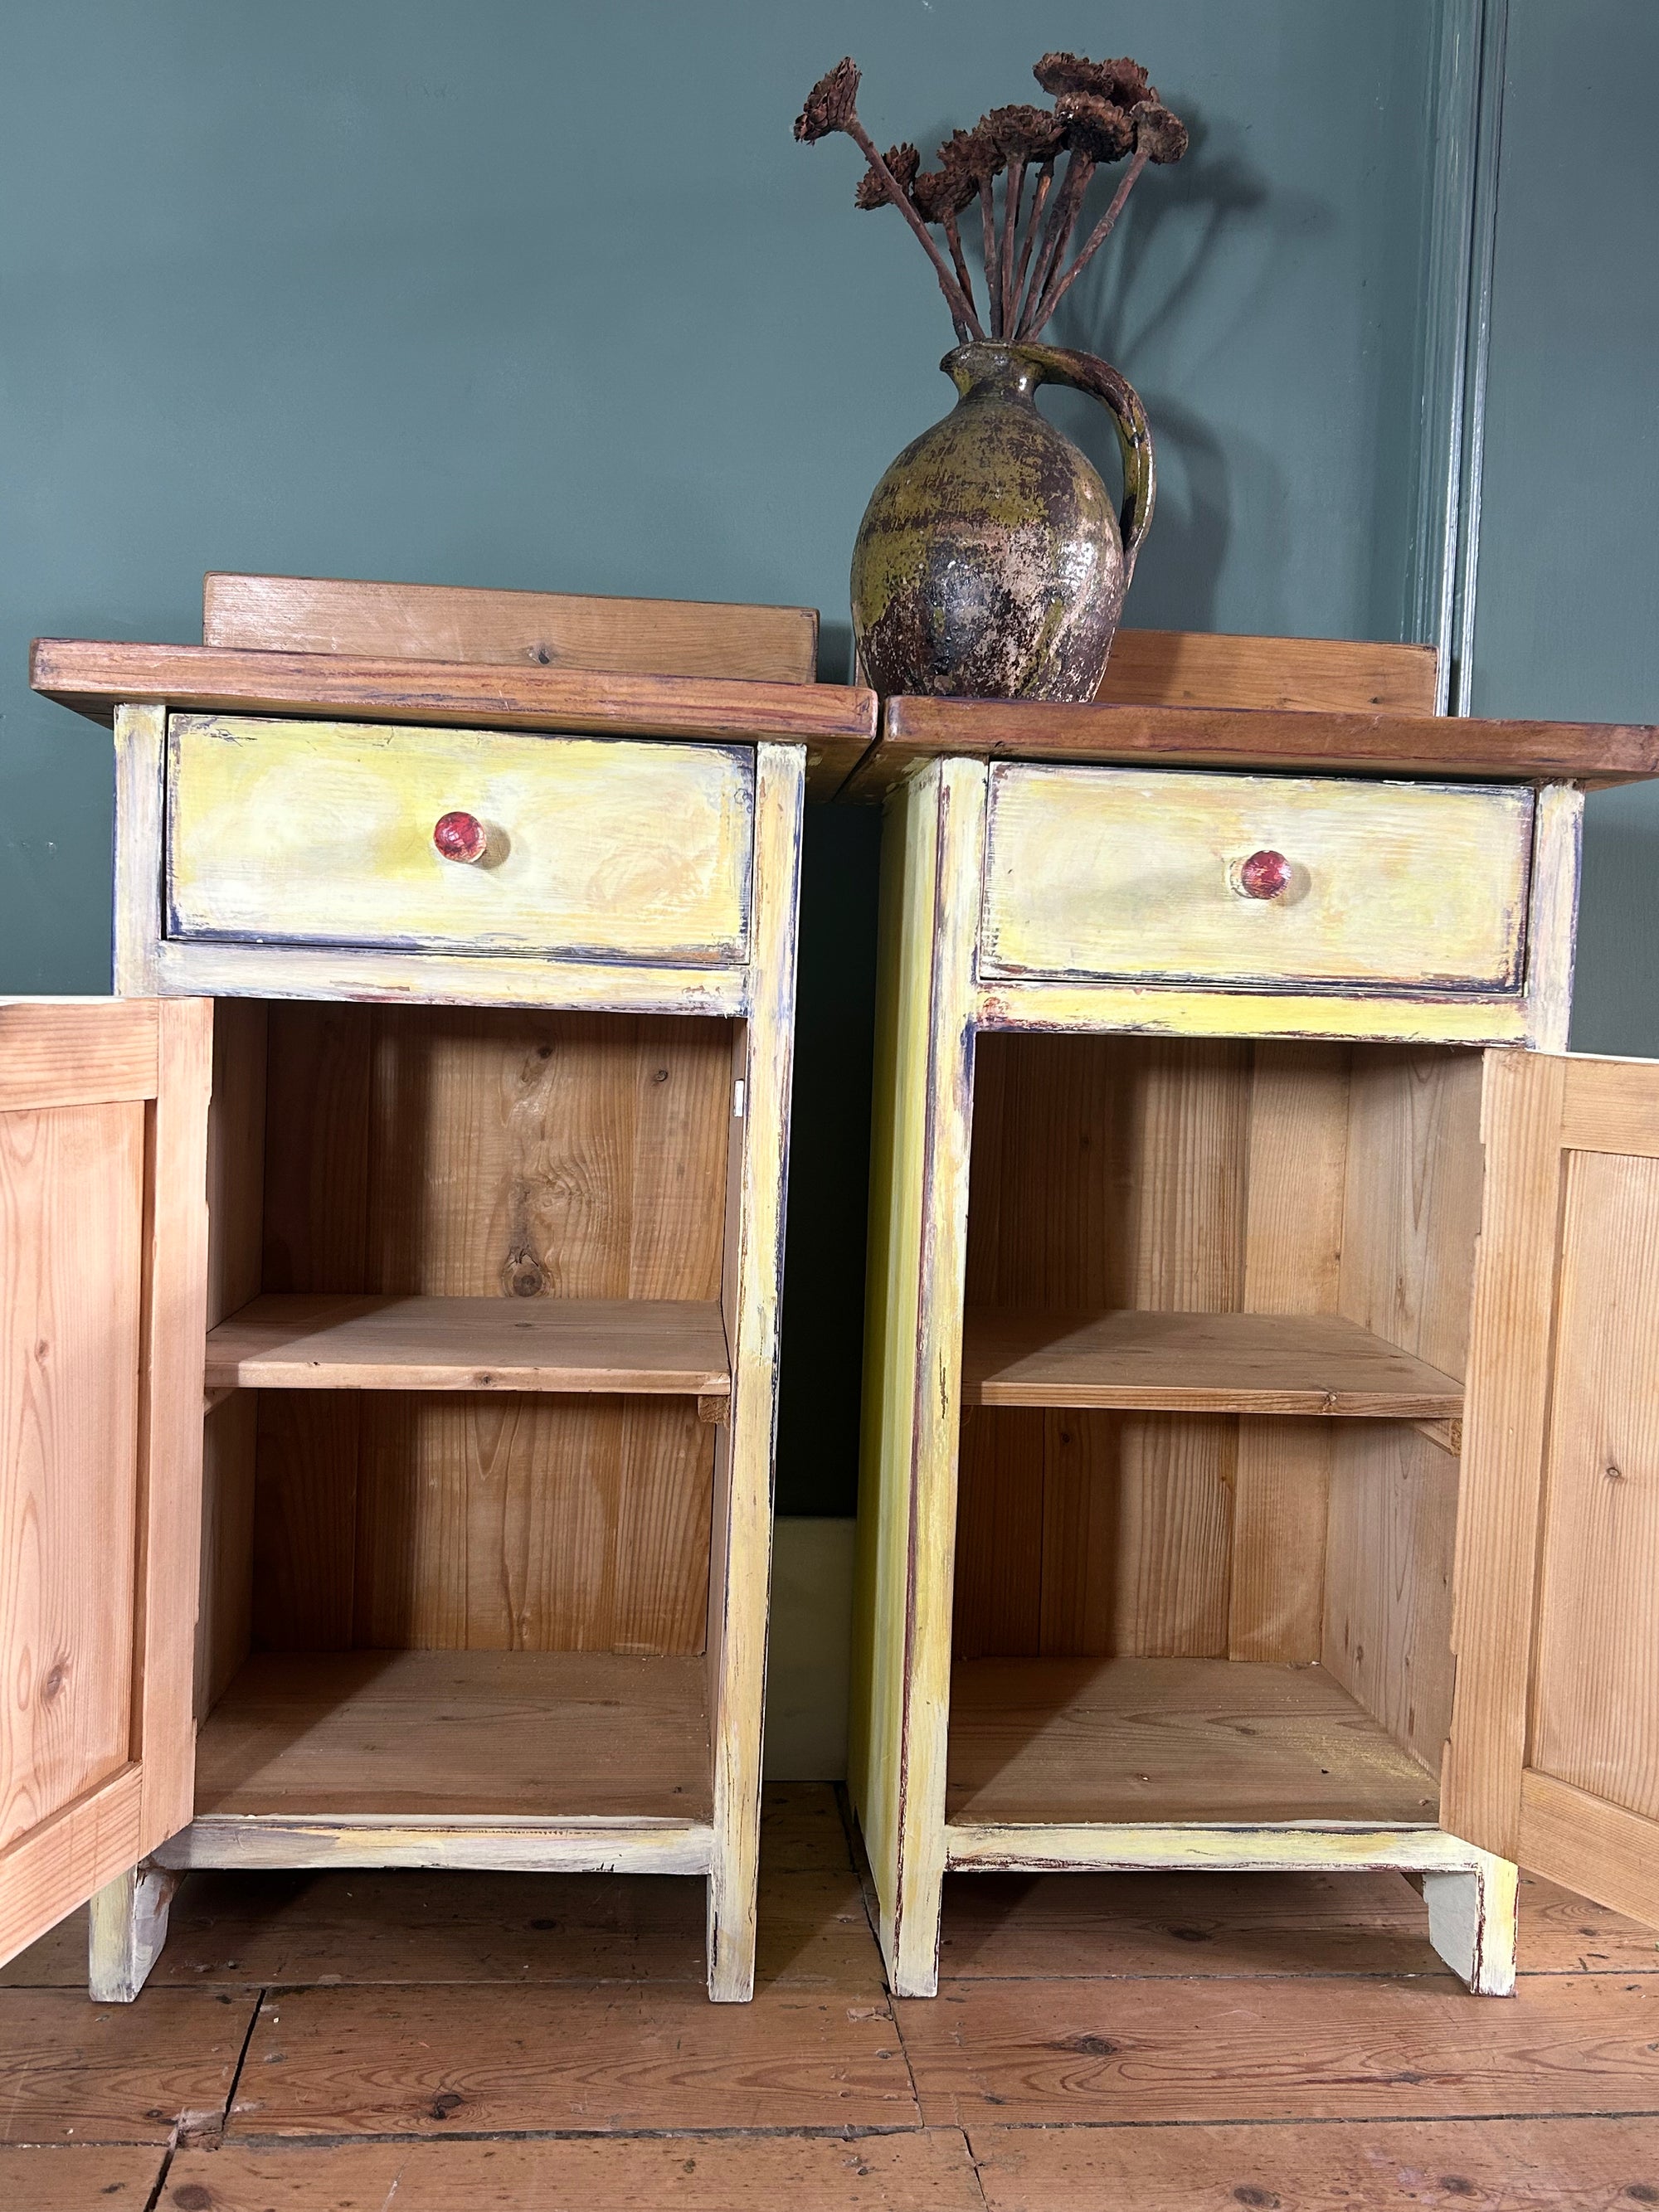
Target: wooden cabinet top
pixel 836 723
pixel 1186 699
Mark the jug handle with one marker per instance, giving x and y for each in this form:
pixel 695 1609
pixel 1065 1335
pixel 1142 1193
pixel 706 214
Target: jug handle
pixel 1084 372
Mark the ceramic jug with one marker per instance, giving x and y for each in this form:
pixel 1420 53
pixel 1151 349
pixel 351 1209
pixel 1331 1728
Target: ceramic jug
pixel 989 562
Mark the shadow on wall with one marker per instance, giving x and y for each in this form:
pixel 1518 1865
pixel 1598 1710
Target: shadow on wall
pixel 1126 306
pixel 1616 993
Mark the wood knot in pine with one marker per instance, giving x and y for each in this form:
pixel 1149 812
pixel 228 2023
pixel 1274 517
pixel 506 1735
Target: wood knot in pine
pixel 543 655
pixel 524 1276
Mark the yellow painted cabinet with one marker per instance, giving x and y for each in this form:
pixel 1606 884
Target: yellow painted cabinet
pixel 1260 1463
pixel 390 1274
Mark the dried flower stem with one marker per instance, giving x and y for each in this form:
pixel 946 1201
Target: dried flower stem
pixel 1062 217
pixel 1014 192
pixel 961 305
pixel 953 234
pixel 1045 180
pixel 1098 237
pixel 988 224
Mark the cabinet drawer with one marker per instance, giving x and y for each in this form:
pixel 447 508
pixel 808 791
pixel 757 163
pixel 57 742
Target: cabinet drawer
pixel 322 833
pixel 1103 872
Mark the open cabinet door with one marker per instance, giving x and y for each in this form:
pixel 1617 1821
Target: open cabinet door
pixel 1554 1757
pixel 103 1270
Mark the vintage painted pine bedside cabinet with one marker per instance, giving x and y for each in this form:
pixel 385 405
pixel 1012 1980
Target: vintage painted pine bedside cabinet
pixel 476 913
pixel 1261 1453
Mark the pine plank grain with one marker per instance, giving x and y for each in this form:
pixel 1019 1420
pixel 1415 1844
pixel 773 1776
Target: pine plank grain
pixel 69 2179
pixel 611 2059
pixel 802 1830
pixel 1338 742
pixel 1213 1363
pixel 258 1928
pixel 1301 2048
pixel 449 1734
pixel 1057 1926
pixel 835 723
pixel 75 2072
pixel 1206 668
pixel 1169 1740
pixel 669 1347
pixel 536 629
pixel 1571 2164
pixel 924 2171
pixel 72 1052
pixel 71 1283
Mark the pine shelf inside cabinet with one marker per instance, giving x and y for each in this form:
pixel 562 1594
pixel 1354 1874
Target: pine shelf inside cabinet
pixel 1198 1363
pixel 645 1346
pixel 424 1735
pixel 1169 1741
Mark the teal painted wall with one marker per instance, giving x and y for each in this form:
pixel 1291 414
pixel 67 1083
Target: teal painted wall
pixel 1567 602
pixel 533 293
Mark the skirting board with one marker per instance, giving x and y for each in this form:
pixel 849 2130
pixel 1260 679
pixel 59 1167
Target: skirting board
pixel 809 1665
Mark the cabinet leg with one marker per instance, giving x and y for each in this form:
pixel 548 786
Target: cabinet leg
pixel 909 1933
pixel 127 1928
pixel 731 1940
pixel 1472 1919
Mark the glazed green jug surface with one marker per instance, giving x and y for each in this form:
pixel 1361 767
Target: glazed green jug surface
pixel 989 562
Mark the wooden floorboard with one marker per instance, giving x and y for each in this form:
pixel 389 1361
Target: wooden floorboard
pixel 538 2043
pixel 1443 2166
pixel 612 2059
pixel 72 2072
pixel 289 1929
pixel 1064 1926
pixel 1043 2053
pixel 929 2171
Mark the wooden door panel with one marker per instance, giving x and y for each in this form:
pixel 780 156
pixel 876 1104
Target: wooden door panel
pixel 1598 1624
pixel 103 1116
pixel 71 1223
pixel 1554 1757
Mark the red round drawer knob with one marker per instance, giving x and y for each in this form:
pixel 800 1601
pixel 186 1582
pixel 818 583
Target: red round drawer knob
pixel 460 836
pixel 1264 875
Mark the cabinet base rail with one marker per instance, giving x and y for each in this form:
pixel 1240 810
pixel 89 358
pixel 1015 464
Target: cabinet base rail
pixel 1471 1895
pixel 554 1846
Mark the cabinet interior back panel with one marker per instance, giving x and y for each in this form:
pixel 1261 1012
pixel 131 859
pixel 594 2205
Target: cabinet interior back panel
pixel 480 1153
pixel 1206 1175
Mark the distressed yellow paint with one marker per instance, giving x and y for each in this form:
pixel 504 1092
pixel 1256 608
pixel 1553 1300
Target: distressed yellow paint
pixel 1091 1009
pixel 933 860
pixel 199 968
pixel 596 1846
pixel 741 1557
pixel 320 833
pixel 1471 1895
pixel 1129 875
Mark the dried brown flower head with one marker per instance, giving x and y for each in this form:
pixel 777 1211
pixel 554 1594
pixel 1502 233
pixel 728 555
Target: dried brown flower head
pixel 1124 83
pixel 936 194
pixel 1162 135
pixel 829 104
pixel 973 155
pixel 1025 133
pixel 1094 127
pixel 903 161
